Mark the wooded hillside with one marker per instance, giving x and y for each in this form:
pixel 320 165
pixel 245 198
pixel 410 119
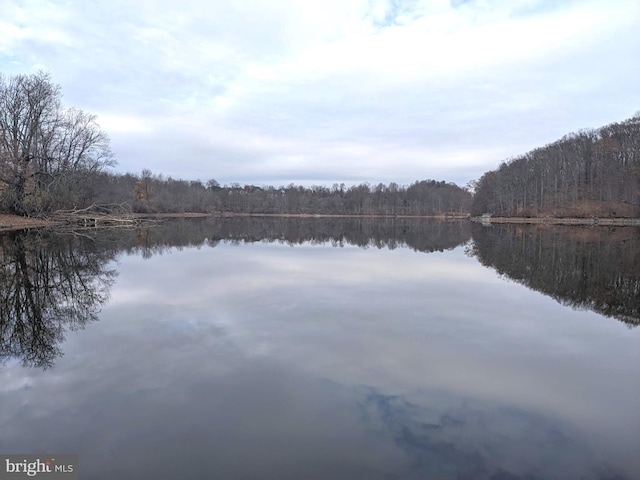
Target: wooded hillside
pixel 588 173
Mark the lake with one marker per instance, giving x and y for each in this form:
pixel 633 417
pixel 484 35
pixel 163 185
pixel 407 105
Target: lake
pixel 321 348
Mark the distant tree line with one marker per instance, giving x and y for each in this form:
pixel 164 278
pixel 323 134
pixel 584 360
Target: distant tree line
pixel 54 158
pixel 429 197
pixel 588 173
pixel 153 193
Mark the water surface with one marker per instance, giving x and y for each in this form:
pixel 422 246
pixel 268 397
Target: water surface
pixel 324 349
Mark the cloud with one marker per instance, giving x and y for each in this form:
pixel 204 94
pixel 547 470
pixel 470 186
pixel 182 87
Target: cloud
pixel 364 90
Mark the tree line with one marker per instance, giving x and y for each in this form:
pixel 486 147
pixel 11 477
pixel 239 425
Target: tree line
pixel 594 172
pixel 54 158
pixel 153 193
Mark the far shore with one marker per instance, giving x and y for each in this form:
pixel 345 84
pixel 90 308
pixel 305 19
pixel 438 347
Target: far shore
pixel 10 222
pixel 591 221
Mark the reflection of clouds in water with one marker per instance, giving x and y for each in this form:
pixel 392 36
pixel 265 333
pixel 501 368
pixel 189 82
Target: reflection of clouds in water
pixel 264 419
pixel 458 438
pixel 276 269
pixel 169 419
pixel 410 329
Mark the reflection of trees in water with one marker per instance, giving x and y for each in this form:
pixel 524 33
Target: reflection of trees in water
pixel 423 235
pixel 583 267
pixel 48 285
pixel 53 283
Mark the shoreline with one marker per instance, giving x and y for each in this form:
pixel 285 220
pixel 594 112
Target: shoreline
pixel 9 222
pixel 591 221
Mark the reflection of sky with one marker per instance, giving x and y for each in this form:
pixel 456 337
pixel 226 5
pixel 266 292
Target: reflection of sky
pixel 333 360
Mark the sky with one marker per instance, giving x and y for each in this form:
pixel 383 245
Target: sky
pixel 273 92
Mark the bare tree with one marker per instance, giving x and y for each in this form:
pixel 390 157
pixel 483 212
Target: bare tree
pixel 44 148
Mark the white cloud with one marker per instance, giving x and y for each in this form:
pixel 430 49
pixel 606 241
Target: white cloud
pixel 359 90
pixel 116 124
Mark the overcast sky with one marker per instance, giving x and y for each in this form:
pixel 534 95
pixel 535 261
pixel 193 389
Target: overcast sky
pixel 317 92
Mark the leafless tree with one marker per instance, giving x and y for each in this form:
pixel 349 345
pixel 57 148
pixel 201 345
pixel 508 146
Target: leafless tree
pixel 44 148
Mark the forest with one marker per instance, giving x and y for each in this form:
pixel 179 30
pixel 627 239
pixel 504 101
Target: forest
pixel 591 173
pixel 56 159
pixel 150 193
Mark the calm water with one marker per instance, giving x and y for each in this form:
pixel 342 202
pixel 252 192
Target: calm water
pixel 284 349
